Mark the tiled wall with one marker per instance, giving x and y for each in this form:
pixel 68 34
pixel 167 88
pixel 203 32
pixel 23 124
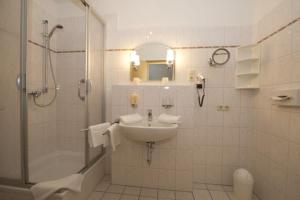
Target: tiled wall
pixel 277 131
pixel 210 144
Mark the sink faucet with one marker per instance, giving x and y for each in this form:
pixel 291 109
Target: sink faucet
pixel 149 115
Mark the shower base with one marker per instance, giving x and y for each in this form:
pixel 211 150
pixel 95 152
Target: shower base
pixel 55 166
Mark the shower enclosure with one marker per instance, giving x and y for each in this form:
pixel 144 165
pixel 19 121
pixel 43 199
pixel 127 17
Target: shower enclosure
pixel 51 85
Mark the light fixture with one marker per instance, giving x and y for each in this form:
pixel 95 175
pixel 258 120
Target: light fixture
pixel 170 57
pixel 134 59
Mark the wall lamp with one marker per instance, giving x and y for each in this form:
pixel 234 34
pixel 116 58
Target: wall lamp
pixel 170 57
pixel 134 59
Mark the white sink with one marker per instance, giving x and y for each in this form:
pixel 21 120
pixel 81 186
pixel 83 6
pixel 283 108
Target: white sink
pixel 149 131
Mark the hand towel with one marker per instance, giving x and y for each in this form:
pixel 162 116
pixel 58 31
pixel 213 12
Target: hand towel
pixel 96 137
pixel 169 119
pixel 130 119
pixel 114 134
pixel 43 190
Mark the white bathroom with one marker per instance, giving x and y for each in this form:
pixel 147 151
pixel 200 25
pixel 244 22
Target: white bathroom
pixel 150 100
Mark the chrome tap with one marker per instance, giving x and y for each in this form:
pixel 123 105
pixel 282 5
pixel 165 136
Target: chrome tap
pixel 150 115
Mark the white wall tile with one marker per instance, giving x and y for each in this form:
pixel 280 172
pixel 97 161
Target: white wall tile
pixel 167 179
pixel 184 160
pixel 152 96
pixel 213 174
pixel 184 180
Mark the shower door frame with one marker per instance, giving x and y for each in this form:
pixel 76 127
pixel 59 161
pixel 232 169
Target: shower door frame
pixel 23 181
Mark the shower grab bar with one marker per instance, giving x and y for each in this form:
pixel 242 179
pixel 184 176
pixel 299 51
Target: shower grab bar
pixel 80 82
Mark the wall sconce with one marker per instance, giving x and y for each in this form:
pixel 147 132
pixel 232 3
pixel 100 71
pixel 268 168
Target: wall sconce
pixel 170 57
pixel 134 59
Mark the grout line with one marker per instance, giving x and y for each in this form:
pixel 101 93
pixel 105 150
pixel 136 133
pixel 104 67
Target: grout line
pixel 210 194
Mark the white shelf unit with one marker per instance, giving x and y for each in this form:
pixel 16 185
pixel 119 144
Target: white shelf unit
pixel 248 67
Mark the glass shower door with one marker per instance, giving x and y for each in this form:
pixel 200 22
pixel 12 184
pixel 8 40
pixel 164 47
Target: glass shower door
pixel 10 109
pixel 95 75
pixel 56 146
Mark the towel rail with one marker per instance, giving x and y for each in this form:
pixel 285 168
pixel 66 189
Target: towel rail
pixel 86 130
pixel 117 121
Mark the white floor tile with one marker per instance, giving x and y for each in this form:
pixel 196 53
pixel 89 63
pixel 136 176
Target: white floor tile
pixel 231 196
pixel 201 195
pixel 132 190
pixel 102 186
pixel 214 187
pixel 116 189
pixel 96 196
pixel 147 192
pixel 129 197
pixel 219 195
pixel 184 196
pixel 111 196
pixel 166 194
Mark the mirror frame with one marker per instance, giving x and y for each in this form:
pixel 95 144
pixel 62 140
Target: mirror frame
pixel 213 61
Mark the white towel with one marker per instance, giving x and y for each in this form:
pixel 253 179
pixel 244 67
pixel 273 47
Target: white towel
pixel 169 119
pixel 130 119
pixel 96 137
pixel 115 138
pixel 44 190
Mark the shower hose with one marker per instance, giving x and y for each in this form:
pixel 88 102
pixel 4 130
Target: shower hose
pixel 54 80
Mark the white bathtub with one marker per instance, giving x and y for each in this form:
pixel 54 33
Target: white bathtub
pixel 91 177
pixel 55 165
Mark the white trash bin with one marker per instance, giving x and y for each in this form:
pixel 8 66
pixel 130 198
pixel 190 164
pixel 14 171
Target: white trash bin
pixel 242 184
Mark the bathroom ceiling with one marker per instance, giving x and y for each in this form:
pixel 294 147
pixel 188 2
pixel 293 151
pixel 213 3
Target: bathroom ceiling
pixel 178 13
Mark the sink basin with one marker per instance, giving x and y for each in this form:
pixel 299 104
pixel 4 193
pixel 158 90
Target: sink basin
pixel 149 131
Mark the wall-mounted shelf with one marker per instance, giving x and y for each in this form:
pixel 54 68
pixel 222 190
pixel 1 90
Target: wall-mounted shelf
pixel 248 67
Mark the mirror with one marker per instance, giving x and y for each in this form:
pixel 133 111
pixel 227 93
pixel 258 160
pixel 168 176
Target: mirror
pixel 152 62
pixel 219 57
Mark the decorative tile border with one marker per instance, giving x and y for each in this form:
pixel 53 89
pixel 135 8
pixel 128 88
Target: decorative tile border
pixel 207 47
pixel 74 51
pixel 226 46
pixel 278 30
pixel 55 51
pixel 192 47
pixel 40 45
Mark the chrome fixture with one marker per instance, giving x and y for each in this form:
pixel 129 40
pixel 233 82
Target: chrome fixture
pixel 150 117
pixel 58 26
pixel 150 148
pixel 167 106
pixel 47 55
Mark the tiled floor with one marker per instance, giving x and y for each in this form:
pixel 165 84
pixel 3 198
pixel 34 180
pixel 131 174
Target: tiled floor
pixel 107 191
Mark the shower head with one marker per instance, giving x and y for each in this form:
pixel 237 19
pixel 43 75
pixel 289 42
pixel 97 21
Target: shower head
pixel 58 26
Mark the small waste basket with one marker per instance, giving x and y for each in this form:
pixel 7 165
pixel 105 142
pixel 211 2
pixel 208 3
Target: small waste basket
pixel 242 184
